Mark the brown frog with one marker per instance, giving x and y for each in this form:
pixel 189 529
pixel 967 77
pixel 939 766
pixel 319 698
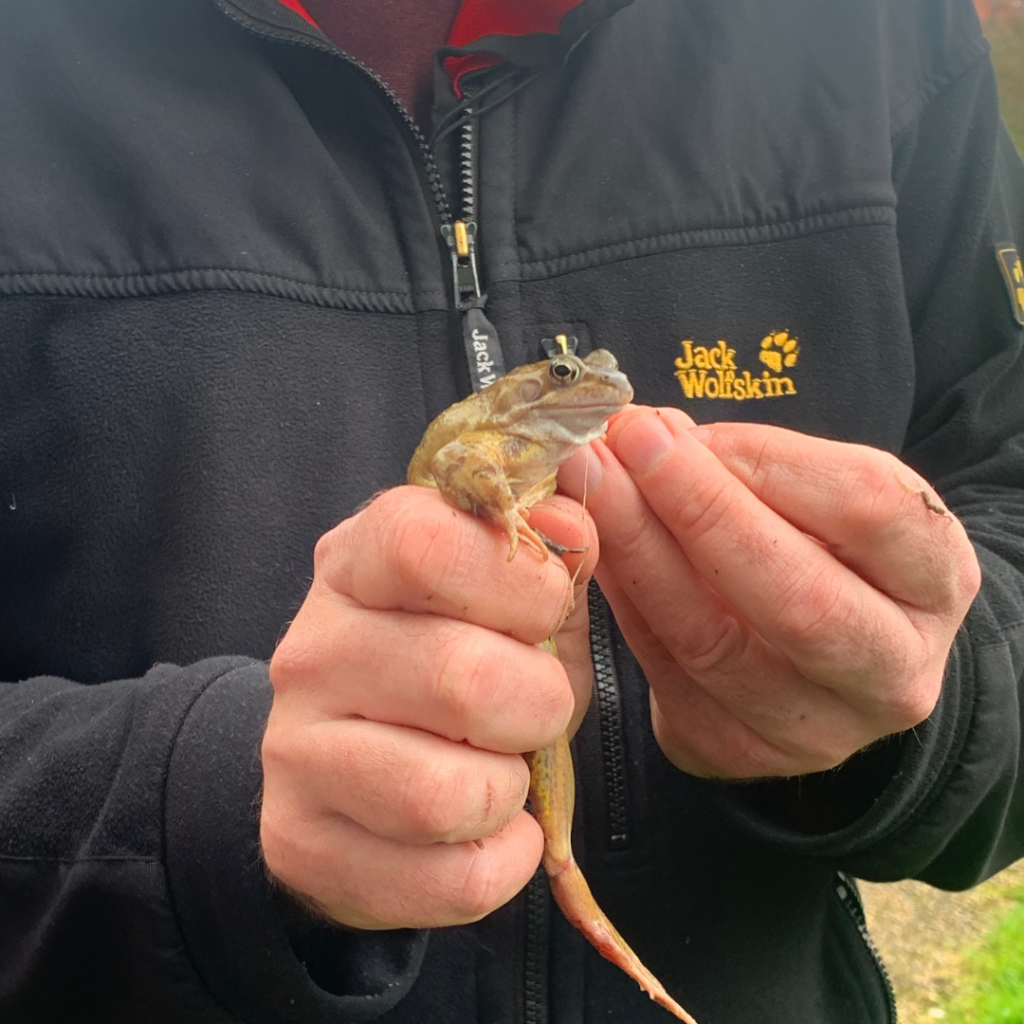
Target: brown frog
pixel 495 454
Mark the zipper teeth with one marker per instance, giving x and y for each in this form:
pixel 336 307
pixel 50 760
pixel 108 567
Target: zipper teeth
pixel 609 709
pixel 535 981
pixel 433 174
pixel 849 896
pixel 467 167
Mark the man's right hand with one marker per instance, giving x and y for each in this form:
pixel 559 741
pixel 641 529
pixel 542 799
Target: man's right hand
pixel 405 691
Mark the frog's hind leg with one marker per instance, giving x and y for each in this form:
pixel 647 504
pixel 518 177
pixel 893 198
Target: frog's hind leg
pixel 552 794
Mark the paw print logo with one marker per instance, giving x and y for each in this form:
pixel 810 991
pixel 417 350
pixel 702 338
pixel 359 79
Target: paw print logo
pixel 778 349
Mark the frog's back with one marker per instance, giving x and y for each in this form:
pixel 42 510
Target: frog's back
pixel 455 420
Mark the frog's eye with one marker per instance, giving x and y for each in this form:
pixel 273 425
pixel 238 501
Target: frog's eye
pixel 561 371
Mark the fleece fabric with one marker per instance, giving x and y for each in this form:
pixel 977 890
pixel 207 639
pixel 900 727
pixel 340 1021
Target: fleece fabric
pixel 226 317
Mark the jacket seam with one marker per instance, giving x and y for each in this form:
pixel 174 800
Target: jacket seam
pixel 911 108
pixel 714 237
pixel 23 859
pixel 172 903
pixel 172 746
pixel 195 279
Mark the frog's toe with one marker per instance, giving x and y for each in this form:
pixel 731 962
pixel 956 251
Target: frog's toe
pixel 530 536
pixel 560 549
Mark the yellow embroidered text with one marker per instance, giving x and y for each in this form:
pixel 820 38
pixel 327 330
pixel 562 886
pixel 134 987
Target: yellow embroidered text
pixel 712 372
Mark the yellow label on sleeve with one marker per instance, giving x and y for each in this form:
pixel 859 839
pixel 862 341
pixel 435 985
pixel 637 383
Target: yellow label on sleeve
pixel 1013 275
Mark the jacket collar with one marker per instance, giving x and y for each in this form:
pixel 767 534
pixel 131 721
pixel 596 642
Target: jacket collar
pixel 528 33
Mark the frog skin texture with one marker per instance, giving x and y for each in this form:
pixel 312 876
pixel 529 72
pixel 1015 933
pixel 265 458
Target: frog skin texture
pixel 494 455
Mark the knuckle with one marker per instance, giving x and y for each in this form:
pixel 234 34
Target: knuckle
pixel 714 652
pixel 714 505
pixel 907 706
pixel 481 889
pixel 295 660
pixel 277 750
pixel 866 487
pixel 812 608
pixel 968 575
pixel 472 678
pixel 437 802
pixel 490 679
pixel 325 551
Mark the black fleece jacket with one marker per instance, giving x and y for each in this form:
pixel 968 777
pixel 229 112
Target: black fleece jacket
pixel 226 316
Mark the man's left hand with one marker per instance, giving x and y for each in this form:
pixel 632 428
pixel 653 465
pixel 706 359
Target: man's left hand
pixel 790 599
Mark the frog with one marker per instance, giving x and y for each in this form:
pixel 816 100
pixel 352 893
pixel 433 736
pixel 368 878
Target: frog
pixel 497 452
pixel 494 455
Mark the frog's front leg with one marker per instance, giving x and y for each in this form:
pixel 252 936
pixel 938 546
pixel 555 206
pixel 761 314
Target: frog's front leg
pixel 469 474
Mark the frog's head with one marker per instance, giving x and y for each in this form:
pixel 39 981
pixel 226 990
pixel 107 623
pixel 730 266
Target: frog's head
pixel 565 400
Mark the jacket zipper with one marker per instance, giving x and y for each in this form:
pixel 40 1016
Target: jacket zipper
pixel 536 950
pixel 460 236
pixel 609 714
pixel 480 339
pixel 849 897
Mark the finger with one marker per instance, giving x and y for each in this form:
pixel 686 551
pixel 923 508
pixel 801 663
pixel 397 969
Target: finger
pixel 365 881
pixel 744 714
pixel 567 523
pixel 832 625
pixel 403 783
pixel 428 672
pixel 409 550
pixel 875 514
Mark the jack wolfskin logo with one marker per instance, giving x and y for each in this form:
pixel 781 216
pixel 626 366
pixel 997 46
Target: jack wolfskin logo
pixel 712 372
pixel 1013 274
pixel 779 350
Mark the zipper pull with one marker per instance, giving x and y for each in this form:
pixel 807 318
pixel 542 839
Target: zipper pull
pixel 461 240
pixel 479 336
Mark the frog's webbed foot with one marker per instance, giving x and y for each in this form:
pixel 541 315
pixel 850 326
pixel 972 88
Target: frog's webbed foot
pixel 516 526
pixel 552 793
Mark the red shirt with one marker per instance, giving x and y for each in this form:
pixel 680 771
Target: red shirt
pixel 397 39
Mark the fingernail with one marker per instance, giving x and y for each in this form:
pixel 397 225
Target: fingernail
pixel 581 474
pixel 701 434
pixel 644 445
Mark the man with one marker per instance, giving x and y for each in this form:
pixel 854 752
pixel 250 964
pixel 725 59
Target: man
pixel 232 302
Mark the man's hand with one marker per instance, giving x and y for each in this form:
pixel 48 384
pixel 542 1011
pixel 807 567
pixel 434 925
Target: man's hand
pixel 790 599
pixel 405 692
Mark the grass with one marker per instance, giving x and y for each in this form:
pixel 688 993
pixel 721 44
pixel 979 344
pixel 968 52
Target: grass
pixel 991 989
pixel 1003 21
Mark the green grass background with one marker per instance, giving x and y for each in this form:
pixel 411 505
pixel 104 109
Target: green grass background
pixel 1003 21
pixel 991 989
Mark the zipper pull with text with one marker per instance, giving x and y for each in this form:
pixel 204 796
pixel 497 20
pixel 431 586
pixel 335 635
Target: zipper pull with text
pixel 483 351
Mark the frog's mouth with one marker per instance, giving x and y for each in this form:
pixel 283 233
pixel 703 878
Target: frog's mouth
pixel 575 427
